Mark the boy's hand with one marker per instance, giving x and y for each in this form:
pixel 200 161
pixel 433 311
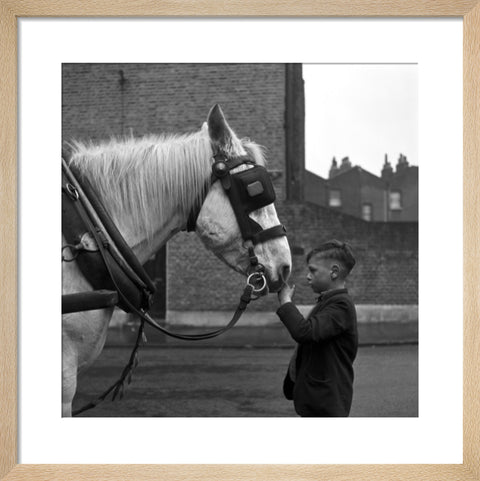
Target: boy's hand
pixel 286 293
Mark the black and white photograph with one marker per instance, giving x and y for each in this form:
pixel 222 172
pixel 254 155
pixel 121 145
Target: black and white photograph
pixel 247 240
pixel 240 240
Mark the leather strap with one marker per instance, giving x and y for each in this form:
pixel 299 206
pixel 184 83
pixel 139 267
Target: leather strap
pixel 267 234
pixel 112 230
pixel 118 386
pixel 101 268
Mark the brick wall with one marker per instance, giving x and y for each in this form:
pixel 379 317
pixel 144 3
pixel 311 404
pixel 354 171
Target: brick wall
pixel 386 270
pixel 157 98
pixel 315 188
pixel 387 253
pixel 99 102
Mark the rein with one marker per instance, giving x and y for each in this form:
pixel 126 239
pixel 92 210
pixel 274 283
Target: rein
pixel 256 281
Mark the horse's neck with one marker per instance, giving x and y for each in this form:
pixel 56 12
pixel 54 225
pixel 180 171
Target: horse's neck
pixel 163 229
pixel 168 215
pixel 144 249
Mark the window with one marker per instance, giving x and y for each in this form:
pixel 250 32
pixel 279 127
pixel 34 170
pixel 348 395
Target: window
pixel 395 200
pixel 335 200
pixel 367 212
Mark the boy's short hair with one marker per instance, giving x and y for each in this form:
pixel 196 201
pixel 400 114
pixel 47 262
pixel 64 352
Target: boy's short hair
pixel 339 251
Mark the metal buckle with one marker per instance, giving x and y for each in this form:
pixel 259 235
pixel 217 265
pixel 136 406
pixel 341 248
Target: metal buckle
pixel 259 277
pixel 220 169
pixel 74 253
pixel 72 191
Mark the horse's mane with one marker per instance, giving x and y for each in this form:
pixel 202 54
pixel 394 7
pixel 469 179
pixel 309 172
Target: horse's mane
pixel 146 178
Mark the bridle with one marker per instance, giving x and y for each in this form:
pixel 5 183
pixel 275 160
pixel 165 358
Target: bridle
pixel 247 190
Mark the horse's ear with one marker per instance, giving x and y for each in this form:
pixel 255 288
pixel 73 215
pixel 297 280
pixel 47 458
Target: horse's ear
pixel 219 131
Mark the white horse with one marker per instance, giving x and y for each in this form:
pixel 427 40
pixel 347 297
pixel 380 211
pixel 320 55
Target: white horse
pixel 149 187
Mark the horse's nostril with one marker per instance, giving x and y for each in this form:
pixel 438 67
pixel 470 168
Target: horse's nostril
pixel 285 273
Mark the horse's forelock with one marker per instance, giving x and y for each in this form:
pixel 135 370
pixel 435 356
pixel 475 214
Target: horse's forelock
pixel 256 151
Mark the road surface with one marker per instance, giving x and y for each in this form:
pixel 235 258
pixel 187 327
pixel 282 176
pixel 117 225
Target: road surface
pixel 215 381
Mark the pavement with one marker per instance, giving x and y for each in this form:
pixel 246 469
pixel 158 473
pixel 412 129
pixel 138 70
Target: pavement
pixel 381 333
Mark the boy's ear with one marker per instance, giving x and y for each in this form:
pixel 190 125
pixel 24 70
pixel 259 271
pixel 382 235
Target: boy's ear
pixel 335 271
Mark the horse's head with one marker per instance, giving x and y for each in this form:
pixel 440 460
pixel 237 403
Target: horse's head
pixel 220 225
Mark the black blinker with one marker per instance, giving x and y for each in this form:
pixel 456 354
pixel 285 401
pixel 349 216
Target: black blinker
pixel 248 190
pixel 255 188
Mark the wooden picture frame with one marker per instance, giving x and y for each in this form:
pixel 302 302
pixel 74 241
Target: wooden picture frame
pixel 11 10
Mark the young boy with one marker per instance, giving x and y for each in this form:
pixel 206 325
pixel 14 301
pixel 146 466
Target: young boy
pixel 320 375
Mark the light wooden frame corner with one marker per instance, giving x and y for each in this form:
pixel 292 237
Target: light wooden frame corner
pixel 12 10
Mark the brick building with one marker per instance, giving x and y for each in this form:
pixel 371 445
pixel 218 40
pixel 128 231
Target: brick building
pixel 266 103
pixel 352 190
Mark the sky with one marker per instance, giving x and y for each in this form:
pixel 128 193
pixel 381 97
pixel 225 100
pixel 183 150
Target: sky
pixel 362 111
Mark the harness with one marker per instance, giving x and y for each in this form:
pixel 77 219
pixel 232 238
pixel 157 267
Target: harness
pixel 97 246
pixel 247 190
pixel 101 252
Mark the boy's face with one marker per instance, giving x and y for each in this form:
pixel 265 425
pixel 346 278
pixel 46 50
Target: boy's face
pixel 320 272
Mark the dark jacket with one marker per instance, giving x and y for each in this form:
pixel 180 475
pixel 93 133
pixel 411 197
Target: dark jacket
pixel 328 342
